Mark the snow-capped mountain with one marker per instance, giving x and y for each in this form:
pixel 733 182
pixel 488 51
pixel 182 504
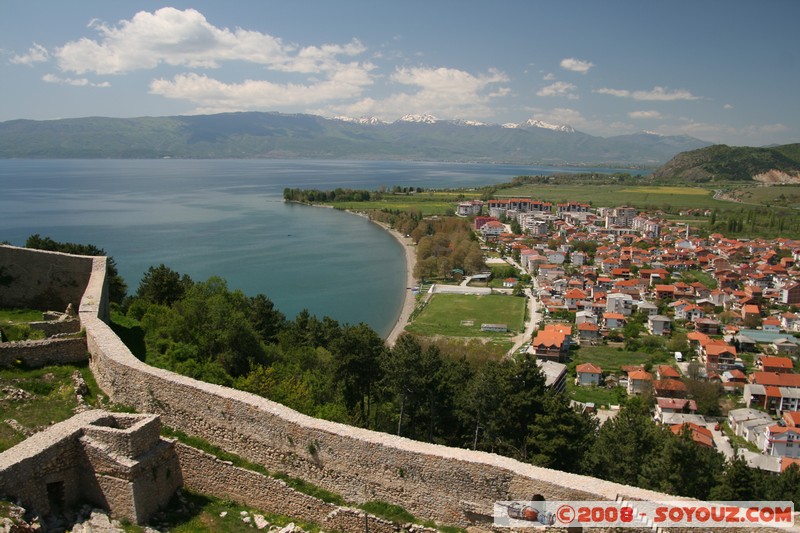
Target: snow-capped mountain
pixel 533 123
pixel 365 121
pixel 256 134
pixel 461 122
pixel 421 119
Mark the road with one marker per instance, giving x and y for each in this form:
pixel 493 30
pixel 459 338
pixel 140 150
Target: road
pixel 533 314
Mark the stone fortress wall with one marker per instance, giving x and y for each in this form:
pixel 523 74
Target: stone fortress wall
pixel 450 485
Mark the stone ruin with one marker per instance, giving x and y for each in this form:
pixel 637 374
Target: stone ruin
pixel 114 461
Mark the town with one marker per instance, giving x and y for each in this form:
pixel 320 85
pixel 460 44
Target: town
pixel 618 275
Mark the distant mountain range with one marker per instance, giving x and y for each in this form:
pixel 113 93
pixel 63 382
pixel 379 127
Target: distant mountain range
pixel 771 165
pixel 277 135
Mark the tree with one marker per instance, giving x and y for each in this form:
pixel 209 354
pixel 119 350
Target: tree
pixel 162 285
pixel 560 437
pixel 266 318
pixel 738 482
pixel 624 444
pixel 357 357
pixel 401 367
pixel 682 467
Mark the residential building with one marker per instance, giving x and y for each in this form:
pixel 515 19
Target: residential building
pixel 588 374
pixel 550 345
pixel 658 325
pixel 639 381
pixel 701 435
pixel 555 375
pixel 790 295
pixel 778 365
pixel 783 441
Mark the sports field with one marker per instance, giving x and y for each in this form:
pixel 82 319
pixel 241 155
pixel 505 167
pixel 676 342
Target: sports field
pixel 461 315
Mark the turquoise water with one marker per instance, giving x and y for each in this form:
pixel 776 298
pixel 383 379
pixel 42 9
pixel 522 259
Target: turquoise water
pixel 227 218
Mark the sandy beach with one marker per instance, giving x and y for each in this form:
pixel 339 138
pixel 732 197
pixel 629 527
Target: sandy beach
pixel 410 298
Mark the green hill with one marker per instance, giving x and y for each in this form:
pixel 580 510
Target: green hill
pixel 778 164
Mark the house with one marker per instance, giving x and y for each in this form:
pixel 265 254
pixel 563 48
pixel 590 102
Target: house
pixel 701 436
pixel 719 357
pixel 588 331
pixel 618 302
pixel 555 375
pixel 492 229
pixel 669 388
pixel 585 316
pixel 692 312
pixel 588 374
pixel 639 381
pixel 785 346
pixel 658 325
pixel 674 405
pixel 613 320
pixel 510 283
pixel 709 326
pixel 647 308
pixel 664 291
pixel 783 441
pixel 771 397
pixel 778 365
pixel 771 323
pixel 737 418
pixel 733 380
pixel 667 372
pixel 550 345
pixel 574 297
pixel 751 313
pixel 791 295
pixel 790 321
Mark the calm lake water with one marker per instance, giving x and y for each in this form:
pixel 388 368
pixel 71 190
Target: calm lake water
pixel 227 218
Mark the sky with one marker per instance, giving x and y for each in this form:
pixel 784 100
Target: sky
pixel 724 71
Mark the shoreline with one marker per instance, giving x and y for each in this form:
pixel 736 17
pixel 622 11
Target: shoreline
pixel 409 300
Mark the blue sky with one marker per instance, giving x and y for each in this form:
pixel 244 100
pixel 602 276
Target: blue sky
pixel 724 71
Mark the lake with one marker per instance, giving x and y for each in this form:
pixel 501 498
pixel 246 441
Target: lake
pixel 227 218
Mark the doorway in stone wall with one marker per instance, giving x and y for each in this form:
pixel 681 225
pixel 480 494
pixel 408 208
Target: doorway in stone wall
pixel 56 497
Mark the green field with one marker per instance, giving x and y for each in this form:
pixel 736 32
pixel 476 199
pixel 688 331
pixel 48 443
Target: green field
pixel 428 203
pixel 444 314
pixel 611 359
pixel 645 197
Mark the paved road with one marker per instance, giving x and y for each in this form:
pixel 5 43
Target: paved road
pixel 533 318
pixel 721 441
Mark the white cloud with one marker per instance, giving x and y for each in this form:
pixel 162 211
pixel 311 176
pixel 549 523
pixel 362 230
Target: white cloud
pixel 442 92
pixel 576 65
pixel 35 54
pixel 656 94
pixel 549 76
pixel 727 106
pixel 212 95
pixel 75 82
pixel 559 88
pixel 644 114
pixel 185 38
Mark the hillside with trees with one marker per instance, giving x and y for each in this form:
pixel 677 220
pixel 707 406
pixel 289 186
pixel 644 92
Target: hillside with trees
pixel 719 163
